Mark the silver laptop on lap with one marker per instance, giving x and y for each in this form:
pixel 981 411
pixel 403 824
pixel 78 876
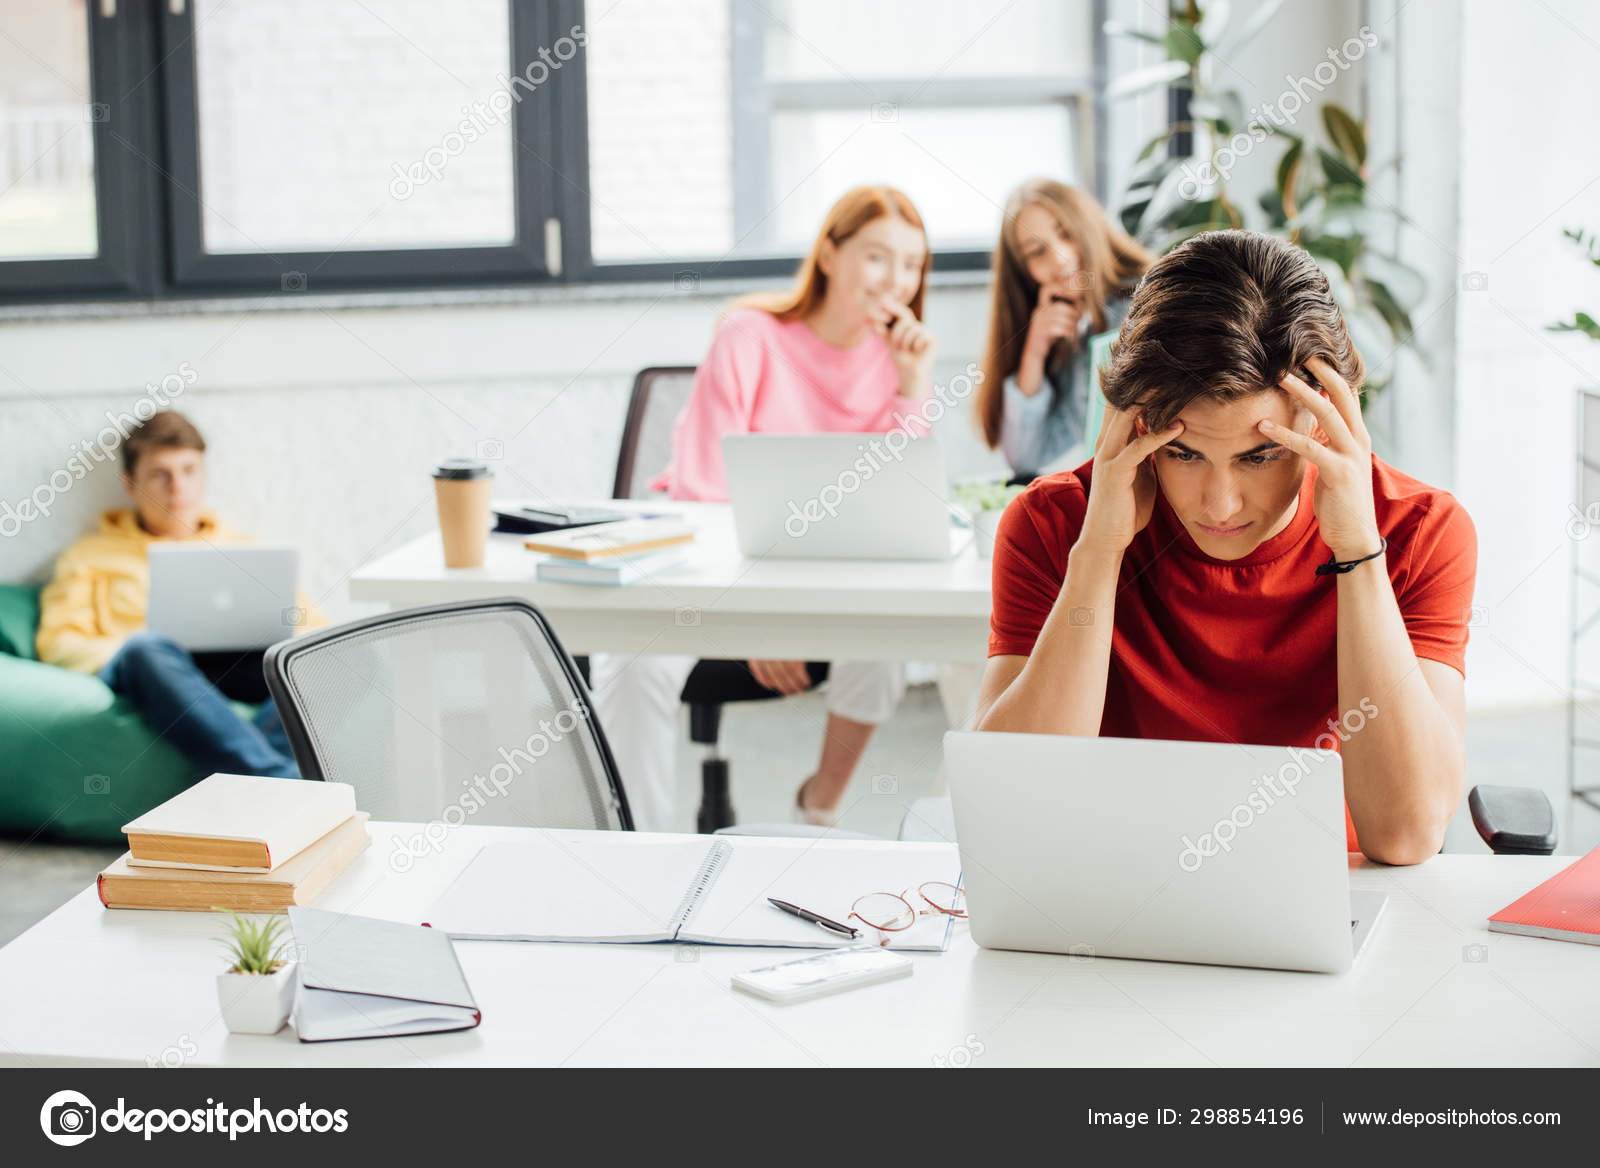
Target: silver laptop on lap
pixel 1205 852
pixel 839 497
pixel 217 597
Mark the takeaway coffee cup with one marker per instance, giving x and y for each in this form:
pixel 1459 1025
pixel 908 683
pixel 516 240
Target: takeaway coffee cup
pixel 461 487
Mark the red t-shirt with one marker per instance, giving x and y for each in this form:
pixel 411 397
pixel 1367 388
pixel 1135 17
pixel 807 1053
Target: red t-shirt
pixel 1239 650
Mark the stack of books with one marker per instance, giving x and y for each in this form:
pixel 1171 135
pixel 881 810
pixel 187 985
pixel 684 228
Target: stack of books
pixel 612 554
pixel 238 842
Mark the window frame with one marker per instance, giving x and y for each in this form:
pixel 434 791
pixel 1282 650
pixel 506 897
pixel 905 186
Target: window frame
pixel 147 165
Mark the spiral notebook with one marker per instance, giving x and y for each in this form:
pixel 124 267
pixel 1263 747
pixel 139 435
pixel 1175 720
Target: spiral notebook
pixel 630 887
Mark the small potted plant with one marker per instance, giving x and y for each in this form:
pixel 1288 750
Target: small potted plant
pixel 257 990
pixel 985 501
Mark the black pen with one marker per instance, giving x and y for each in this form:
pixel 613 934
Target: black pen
pixel 806 914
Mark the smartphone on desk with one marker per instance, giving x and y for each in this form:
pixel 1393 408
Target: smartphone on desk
pixel 823 973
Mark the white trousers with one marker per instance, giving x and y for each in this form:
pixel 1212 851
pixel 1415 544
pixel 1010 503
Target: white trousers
pixel 637 700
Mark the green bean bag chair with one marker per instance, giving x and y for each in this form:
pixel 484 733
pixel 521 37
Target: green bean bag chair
pixel 76 761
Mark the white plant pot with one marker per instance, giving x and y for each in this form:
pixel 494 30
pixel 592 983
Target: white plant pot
pixel 255 1003
pixel 984 526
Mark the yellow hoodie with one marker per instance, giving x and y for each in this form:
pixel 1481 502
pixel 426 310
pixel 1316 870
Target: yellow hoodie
pixel 98 595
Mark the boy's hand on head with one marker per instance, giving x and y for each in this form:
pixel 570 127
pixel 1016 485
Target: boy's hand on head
pixel 1122 491
pixel 1342 454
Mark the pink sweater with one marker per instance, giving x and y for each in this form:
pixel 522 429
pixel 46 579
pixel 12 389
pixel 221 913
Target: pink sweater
pixel 772 376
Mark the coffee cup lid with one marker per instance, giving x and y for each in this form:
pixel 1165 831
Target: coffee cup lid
pixel 462 468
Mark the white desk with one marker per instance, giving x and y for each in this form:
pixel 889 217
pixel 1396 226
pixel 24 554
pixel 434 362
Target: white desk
pixel 718 604
pixel 88 985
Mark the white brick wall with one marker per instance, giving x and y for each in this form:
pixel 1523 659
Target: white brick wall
pixel 660 138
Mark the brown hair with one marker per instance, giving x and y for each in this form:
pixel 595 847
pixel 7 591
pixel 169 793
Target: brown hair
pixel 854 210
pixel 1223 316
pixel 169 428
pixel 1110 255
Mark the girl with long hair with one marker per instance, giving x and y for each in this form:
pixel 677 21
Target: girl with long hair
pixel 843 350
pixel 1063 272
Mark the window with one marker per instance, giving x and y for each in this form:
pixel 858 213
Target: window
pixel 327 142
pixel 723 130
pixel 277 146
pixel 69 133
pixel 46 134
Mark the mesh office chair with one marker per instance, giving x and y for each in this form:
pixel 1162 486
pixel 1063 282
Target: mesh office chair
pixel 416 709
pixel 659 395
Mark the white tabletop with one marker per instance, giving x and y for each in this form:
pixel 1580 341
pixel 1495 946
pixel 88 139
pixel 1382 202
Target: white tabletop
pixel 718 604
pixel 91 985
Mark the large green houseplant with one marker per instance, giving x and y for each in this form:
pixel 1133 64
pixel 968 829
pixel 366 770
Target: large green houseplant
pixel 1320 198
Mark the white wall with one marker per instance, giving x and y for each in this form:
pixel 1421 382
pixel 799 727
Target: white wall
pixel 1529 167
pixel 325 416
pixel 323 422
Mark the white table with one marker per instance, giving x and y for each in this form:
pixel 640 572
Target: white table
pixel 719 604
pixel 87 985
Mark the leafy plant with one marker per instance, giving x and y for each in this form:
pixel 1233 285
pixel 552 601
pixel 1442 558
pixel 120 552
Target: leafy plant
pixel 1156 210
pixel 254 948
pixel 1319 199
pixel 977 495
pixel 1320 202
pixel 1589 243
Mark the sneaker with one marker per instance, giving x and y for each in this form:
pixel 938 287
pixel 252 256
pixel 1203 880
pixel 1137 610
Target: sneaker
pixel 811 816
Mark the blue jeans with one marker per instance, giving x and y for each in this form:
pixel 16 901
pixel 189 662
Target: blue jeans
pixel 182 705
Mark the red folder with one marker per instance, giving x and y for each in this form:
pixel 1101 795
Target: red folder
pixel 1565 907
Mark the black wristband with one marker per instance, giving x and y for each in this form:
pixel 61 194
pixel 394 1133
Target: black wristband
pixel 1337 567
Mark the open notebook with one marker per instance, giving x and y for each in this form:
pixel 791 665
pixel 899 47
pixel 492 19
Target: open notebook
pixel 638 886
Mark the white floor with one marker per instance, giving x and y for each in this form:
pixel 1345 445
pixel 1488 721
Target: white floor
pixel 773 745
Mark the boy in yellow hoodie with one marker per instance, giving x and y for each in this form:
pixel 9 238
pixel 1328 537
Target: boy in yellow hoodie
pixel 92 614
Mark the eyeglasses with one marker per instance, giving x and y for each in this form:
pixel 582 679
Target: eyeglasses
pixel 895 912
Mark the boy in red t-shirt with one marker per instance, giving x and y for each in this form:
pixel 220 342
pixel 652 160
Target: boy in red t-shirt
pixel 1235 564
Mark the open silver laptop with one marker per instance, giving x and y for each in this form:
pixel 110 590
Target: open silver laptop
pixel 222 597
pixel 1171 851
pixel 839 497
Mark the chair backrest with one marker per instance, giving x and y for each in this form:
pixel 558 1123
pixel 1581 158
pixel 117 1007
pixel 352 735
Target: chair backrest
pixel 659 395
pixel 457 713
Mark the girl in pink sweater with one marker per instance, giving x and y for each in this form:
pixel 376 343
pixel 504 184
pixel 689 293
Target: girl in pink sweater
pixel 844 350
